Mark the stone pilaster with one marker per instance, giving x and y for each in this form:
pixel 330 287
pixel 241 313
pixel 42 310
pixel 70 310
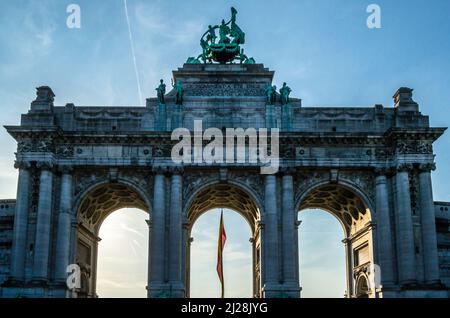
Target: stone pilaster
pixel 44 212
pixel 428 220
pixel 286 118
pixel 175 234
pixel 156 279
pixel 64 225
pixel 19 244
pixel 405 235
pixel 270 116
pixel 384 230
pixel 161 117
pixel 270 244
pixel 288 234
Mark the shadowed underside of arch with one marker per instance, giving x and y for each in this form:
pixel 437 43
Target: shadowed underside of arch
pixel 107 198
pixel 224 196
pixel 345 204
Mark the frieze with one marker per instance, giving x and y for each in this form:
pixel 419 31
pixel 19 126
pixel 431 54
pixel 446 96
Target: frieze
pixel 65 151
pixel 414 147
pixel 35 146
pixel 225 89
pixel 383 153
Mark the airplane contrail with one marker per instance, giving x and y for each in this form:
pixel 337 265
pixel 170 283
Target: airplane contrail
pixel 133 54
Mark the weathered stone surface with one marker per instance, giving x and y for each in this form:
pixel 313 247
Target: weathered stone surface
pixel 365 165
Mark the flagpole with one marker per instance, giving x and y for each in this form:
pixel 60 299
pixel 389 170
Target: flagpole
pixel 220 246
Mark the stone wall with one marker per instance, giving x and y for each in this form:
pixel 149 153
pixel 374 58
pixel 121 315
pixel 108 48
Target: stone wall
pixel 6 229
pixel 442 210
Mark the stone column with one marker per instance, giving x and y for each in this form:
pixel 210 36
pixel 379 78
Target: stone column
pixel 44 212
pixel 349 266
pixel 428 220
pixel 288 233
pixel 188 267
pixel 185 255
pixel 384 230
pixel 175 234
pixel 64 225
pixel 271 251
pixel 157 235
pixel 19 243
pixel 405 235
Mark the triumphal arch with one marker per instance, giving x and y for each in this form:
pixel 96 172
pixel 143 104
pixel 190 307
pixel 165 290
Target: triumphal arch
pixel 369 167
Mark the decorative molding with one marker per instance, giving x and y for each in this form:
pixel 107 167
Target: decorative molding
pixel 427 167
pixel 22 164
pixel 414 147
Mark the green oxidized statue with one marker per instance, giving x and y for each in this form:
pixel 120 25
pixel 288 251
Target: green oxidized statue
pixel 161 91
pixel 227 48
pixel 271 94
pixel 284 92
pixel 178 92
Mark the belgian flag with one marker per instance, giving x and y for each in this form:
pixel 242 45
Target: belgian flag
pixel 220 246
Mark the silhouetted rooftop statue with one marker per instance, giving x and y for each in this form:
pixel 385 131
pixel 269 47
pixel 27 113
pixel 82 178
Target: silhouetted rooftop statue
pixel 224 48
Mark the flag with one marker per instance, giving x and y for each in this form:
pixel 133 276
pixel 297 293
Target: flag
pixel 220 246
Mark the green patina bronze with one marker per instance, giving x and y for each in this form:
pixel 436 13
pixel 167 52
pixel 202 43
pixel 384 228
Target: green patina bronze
pixel 179 91
pixel 161 91
pixel 224 48
pixel 284 92
pixel 271 93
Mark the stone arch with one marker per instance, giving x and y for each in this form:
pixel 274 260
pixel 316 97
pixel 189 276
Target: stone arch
pixel 108 197
pixel 237 197
pixel 250 201
pixel 354 210
pixel 362 289
pixel 91 206
pixel 346 196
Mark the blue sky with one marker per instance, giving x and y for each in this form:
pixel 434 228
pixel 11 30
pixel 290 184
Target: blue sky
pixel 321 48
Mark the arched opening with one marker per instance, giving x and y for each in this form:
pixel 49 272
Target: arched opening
pixel 237 256
pixel 362 287
pixel 351 209
pixel 93 208
pixel 123 254
pixel 241 207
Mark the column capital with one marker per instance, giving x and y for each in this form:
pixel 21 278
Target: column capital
pixel 45 165
pixel 427 167
pixel 159 169
pixel 177 170
pixel 21 164
pixel 404 167
pixel 382 171
pixel 66 169
pixel 287 171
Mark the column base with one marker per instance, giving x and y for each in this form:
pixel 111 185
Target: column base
pixel 166 290
pixel 13 282
pixel 286 290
